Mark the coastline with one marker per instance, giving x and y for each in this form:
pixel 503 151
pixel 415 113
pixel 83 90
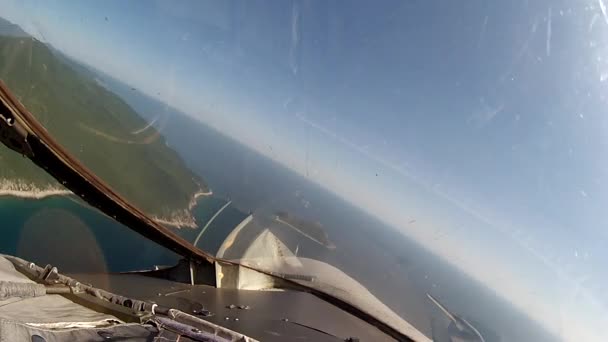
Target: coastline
pixel 178 223
pixel 34 195
pixel 200 193
pixel 22 189
pixel 181 218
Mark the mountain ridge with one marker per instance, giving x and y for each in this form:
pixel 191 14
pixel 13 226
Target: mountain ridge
pixel 9 29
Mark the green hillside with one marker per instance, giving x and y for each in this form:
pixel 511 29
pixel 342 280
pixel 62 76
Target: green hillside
pixel 95 125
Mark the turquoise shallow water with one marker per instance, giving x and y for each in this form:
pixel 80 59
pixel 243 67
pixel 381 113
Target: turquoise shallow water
pixel 65 232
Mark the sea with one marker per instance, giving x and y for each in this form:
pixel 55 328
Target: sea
pixel 68 233
pixel 63 231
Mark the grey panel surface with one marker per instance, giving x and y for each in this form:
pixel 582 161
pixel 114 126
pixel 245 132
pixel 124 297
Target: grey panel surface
pixel 272 315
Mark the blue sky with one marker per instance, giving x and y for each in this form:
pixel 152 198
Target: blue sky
pixel 486 121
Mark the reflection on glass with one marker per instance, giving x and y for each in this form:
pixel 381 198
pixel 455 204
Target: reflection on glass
pixel 387 153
